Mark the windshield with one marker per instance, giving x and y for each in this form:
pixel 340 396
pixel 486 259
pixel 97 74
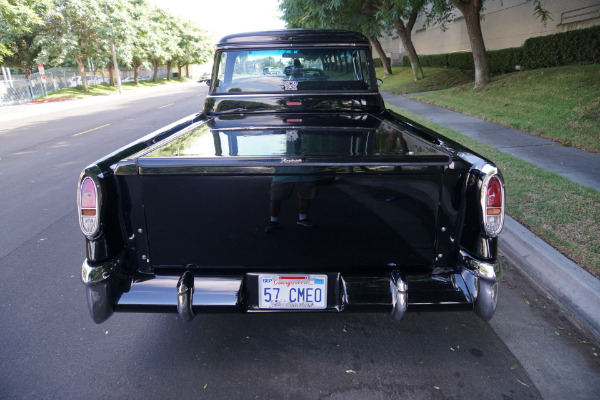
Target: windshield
pixel 287 70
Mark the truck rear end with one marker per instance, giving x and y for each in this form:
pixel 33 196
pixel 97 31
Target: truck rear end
pixel 291 191
pixel 389 216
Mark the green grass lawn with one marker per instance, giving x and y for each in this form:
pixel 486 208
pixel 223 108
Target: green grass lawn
pixel 402 81
pixel 563 213
pixel 102 90
pixel 561 104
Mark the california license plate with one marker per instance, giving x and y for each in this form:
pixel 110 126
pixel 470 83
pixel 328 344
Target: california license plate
pixel 292 292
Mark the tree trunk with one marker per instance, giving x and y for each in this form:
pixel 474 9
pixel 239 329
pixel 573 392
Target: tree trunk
pixel 111 73
pixel 406 37
pixel 155 76
pixel 169 64
pixel 471 11
pixel 187 70
pixel 384 60
pixel 81 69
pixel 136 71
pixel 179 68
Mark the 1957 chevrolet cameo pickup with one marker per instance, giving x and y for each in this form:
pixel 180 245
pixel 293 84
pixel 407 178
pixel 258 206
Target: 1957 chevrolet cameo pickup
pixel 294 190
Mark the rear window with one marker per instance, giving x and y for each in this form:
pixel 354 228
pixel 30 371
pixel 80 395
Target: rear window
pixel 292 70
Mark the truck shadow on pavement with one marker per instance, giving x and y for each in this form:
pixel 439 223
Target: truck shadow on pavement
pixel 300 355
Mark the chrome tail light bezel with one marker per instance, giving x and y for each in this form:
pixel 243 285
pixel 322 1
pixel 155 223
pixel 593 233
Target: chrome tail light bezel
pixel 490 174
pixel 83 212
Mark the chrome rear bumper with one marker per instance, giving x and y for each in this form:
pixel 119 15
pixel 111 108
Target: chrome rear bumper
pixel 473 287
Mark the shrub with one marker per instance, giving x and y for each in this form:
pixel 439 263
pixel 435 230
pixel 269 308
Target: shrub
pixel 462 60
pixel 434 60
pixel 504 61
pixel 377 62
pixel 578 46
pixel 581 45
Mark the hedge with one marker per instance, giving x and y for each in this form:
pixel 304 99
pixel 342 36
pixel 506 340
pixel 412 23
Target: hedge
pixel 504 61
pixel 582 45
pixel 578 46
pixel 377 62
pixel 501 61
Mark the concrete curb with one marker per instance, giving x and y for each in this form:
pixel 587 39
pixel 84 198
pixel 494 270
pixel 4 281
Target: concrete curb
pixel 575 288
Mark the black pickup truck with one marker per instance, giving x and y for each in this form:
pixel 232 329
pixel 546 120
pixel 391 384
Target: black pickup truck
pixel 291 191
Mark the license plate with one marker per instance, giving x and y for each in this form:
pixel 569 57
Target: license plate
pixel 298 292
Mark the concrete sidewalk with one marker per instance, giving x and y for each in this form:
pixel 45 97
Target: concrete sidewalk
pixel 577 165
pixel 576 289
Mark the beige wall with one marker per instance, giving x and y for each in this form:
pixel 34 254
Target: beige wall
pixel 506 23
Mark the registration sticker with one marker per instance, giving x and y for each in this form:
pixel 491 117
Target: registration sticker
pixel 300 292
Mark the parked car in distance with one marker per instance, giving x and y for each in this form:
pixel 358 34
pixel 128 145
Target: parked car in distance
pixel 271 71
pixel 198 217
pixel 308 74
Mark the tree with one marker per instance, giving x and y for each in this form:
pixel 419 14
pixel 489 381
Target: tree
pixel 17 19
pixel 23 52
pixel 396 13
pixel 77 29
pixel 195 46
pixel 355 15
pixel 402 15
pixel 372 18
pixel 141 36
pixel 471 10
pixel 162 43
pixel 121 33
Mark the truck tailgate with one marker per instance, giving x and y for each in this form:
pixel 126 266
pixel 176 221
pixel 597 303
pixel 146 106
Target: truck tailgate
pixel 206 194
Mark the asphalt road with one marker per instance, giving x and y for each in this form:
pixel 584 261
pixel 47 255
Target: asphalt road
pixel 51 349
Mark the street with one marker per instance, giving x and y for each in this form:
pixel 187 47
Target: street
pixel 50 348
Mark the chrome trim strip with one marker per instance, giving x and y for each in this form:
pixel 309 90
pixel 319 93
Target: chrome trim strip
pixel 298 93
pixel 288 127
pixel 283 44
pixel 184 162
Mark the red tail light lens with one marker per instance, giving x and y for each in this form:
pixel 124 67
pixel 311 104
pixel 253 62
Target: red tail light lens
pixel 88 194
pixel 494 196
pixel 88 206
pixel 494 206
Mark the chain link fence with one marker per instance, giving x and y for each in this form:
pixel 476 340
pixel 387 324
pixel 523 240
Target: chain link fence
pixel 18 89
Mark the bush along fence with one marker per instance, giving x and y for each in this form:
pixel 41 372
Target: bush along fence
pixel 578 46
pixel 17 89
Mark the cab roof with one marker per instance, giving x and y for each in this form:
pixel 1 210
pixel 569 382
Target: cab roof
pixel 294 36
